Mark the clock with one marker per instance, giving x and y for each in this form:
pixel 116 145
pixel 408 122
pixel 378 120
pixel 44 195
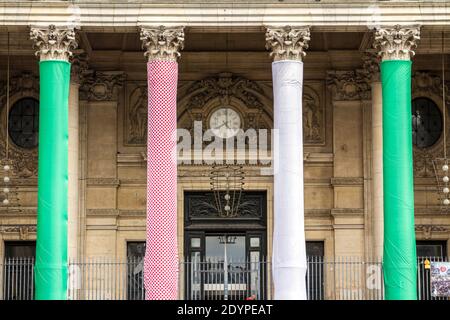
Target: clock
pixel 225 123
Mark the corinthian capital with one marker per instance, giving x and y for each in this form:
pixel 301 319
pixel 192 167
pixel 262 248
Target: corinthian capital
pixel 396 43
pixel 287 43
pixel 162 43
pixel 53 43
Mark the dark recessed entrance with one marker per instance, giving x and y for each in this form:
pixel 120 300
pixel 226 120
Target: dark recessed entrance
pixel 226 256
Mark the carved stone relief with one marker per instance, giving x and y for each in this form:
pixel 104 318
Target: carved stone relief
pixel 98 86
pixel 428 229
pixel 137 116
pixel 23 230
pixel 348 85
pixel 313 117
pixel 24 161
pixel 198 99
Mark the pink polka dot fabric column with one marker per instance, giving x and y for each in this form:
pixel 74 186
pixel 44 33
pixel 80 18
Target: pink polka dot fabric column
pixel 161 257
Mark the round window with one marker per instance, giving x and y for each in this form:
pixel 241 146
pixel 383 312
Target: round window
pixel 24 123
pixel 426 122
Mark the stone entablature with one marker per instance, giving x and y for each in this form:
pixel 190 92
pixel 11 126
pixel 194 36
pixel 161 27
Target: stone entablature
pixel 325 16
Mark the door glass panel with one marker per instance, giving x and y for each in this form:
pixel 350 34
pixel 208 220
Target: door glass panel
pixel 195 276
pixel 226 274
pixel 135 267
pixel 195 243
pixel 254 242
pixel 215 248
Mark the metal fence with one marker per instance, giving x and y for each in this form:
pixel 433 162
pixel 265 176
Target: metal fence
pixel 343 278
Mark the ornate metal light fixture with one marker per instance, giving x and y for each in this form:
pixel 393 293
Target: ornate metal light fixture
pixel 8 194
pixel 441 165
pixel 227 183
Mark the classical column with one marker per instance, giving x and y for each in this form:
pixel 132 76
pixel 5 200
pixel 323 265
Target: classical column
pixel 395 46
pixel 161 257
pixel 287 47
pixel 54 49
pixel 79 64
pixel 372 70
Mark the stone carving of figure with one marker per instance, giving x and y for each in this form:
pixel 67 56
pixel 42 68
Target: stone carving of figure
pixel 138 116
pixel 311 122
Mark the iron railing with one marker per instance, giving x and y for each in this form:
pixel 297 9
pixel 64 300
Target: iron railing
pixel 342 278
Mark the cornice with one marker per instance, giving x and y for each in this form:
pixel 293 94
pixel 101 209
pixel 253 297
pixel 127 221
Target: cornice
pixel 121 16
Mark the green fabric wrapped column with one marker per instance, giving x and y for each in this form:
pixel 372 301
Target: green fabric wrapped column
pixel 51 244
pixel 399 257
pixel 400 268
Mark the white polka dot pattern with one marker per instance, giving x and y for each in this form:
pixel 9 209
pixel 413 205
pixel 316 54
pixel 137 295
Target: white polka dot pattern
pixel 161 256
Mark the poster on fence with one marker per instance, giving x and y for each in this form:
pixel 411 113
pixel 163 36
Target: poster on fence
pixel 440 279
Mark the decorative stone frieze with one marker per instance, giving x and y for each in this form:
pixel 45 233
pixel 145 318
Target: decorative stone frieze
pixel 23 230
pixel 79 67
pixel 371 67
pixel 98 86
pixel 428 230
pixel 348 85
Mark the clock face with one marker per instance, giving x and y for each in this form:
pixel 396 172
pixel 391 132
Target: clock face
pixel 225 123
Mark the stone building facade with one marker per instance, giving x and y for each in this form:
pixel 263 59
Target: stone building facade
pixel 224 61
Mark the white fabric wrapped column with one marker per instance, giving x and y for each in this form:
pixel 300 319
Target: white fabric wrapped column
pixel 289 252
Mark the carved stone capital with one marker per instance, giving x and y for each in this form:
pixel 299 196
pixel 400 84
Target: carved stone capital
pixel 348 85
pixel 371 67
pixel 98 86
pixel 287 43
pixel 162 43
pixel 53 43
pixel 396 43
pixel 79 67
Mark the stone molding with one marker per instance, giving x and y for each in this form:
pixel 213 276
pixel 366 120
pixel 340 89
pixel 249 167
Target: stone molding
pixel 342 181
pixel 110 182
